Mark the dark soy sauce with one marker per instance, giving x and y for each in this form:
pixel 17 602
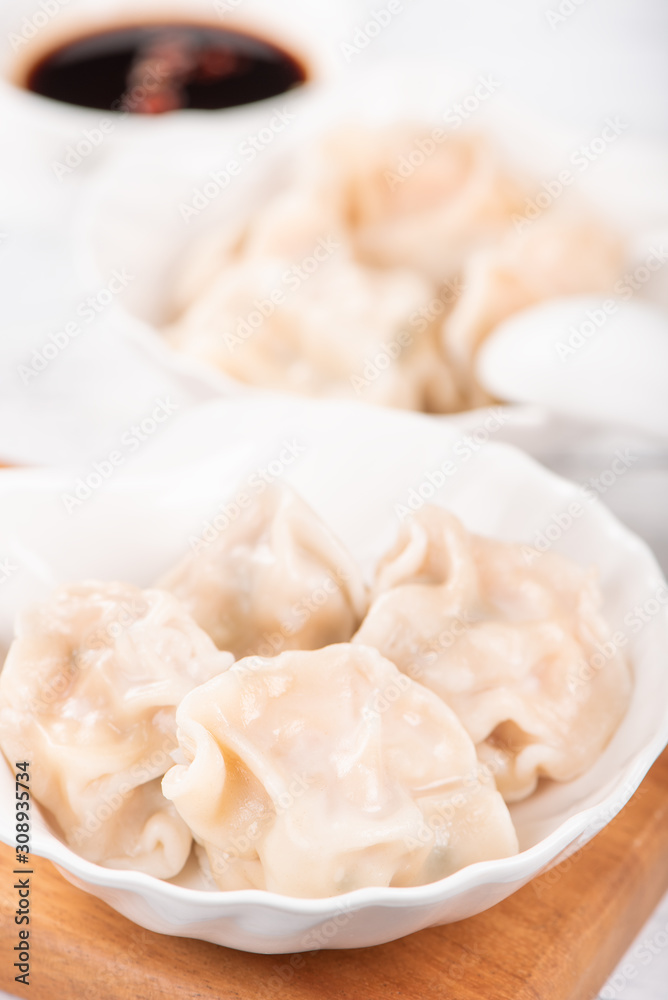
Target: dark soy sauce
pixel 151 69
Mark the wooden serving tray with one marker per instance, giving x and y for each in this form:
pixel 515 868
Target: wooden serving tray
pixel 558 938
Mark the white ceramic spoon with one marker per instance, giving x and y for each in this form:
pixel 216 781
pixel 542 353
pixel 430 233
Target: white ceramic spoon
pixel 601 360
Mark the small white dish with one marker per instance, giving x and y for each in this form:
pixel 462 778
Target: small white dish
pixel 303 32
pixel 353 465
pixel 591 358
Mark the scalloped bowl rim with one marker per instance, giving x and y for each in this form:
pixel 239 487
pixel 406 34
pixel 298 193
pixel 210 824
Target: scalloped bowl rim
pixel 525 865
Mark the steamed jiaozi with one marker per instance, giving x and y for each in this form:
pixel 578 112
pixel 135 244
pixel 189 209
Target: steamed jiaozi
pixel 275 578
pixel 321 334
pixel 510 639
pixel 88 696
pixel 556 254
pixel 315 773
pixel 376 265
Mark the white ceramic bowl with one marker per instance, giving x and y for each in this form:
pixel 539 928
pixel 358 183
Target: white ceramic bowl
pixel 592 358
pixel 119 210
pixel 130 213
pixel 354 464
pixel 31 32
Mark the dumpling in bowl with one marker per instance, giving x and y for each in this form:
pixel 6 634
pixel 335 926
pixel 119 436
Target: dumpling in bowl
pixel 273 579
pixel 331 287
pixel 561 253
pixel 398 196
pixel 320 337
pixel 315 773
pixel 510 639
pixel 88 696
pixel 377 263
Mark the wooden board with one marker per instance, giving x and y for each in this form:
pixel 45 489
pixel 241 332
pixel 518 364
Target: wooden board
pixel 556 939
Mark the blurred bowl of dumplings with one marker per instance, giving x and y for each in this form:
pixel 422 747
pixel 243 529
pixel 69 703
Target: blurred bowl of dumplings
pixel 326 685
pixel 369 250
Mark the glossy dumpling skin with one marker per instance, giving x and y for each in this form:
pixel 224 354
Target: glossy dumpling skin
pixel 273 579
pixel 377 267
pixel 321 337
pixel 509 638
pixel 349 266
pixel 88 696
pixel 561 253
pixel 315 773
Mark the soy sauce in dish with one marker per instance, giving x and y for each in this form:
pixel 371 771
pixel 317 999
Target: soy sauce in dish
pixel 150 69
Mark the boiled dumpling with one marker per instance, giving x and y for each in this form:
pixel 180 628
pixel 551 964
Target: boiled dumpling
pixel 376 265
pixel 366 188
pixel 421 203
pixel 557 254
pixel 315 773
pixel 510 639
pixel 273 579
pixel 88 696
pixel 322 336
pixel 332 287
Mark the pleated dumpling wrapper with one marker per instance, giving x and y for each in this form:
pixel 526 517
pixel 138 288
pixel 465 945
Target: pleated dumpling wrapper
pixel 511 639
pixel 376 266
pixel 274 578
pixel 315 773
pixel 88 696
pixel 322 336
pixel 330 287
pixel 564 252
